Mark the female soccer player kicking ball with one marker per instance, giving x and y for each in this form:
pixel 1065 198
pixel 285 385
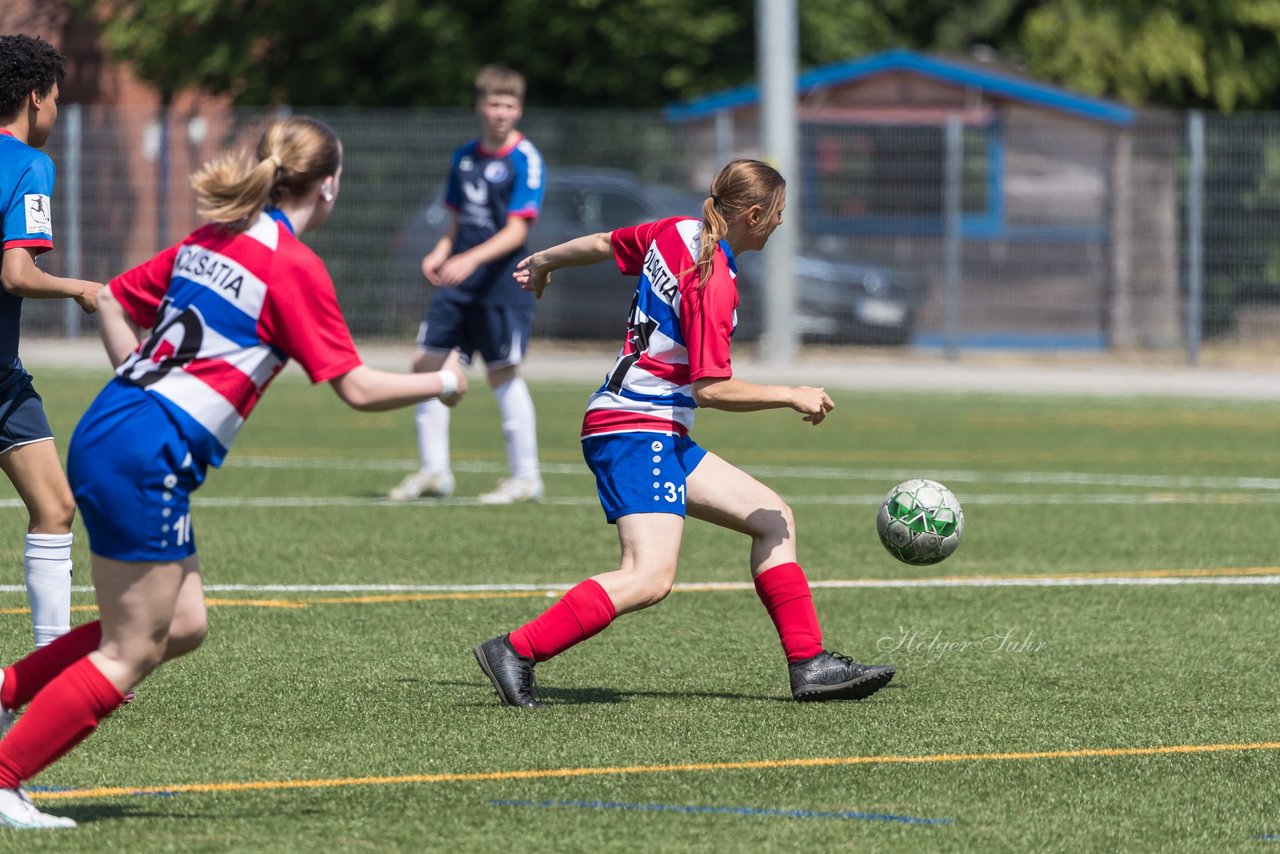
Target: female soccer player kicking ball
pixel 226 308
pixel 649 473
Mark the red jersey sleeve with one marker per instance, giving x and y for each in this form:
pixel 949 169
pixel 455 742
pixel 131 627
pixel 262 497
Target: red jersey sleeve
pixel 140 290
pixel 630 244
pixel 706 319
pixel 301 316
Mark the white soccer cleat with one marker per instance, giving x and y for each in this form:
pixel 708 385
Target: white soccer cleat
pixel 17 811
pixel 514 490
pixel 423 484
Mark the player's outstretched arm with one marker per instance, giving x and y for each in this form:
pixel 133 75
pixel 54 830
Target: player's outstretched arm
pixel 534 272
pixel 735 395
pixel 22 278
pixel 371 390
pixel 120 335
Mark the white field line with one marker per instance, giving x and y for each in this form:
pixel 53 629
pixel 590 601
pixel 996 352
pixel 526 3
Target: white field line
pixel 1134 499
pixel 814 473
pixel 733 586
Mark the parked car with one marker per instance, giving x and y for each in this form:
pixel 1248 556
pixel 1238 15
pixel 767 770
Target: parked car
pixel 838 300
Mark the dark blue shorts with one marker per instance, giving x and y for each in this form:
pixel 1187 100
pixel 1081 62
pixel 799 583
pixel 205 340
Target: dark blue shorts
pixel 641 472
pixel 499 332
pixel 22 418
pixel 132 475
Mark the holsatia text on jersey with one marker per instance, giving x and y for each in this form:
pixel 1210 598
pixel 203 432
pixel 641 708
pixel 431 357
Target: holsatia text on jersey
pixel 198 264
pixel 660 277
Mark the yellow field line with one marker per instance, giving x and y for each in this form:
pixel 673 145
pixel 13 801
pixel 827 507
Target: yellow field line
pixel 343 600
pixel 560 773
pixel 243 603
pixel 434 597
pixel 694 587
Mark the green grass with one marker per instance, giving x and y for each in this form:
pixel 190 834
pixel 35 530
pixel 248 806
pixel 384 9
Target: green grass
pixel 339 691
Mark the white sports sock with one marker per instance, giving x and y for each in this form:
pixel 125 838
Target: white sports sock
pixel 432 418
pixel 48 565
pixel 519 428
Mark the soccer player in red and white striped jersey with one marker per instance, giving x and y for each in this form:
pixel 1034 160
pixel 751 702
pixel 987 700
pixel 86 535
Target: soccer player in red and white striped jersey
pixel 226 308
pixel 649 472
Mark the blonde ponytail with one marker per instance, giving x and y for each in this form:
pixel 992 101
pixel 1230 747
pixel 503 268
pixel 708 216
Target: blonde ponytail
pixel 738 186
pixel 714 228
pixel 293 155
pixel 232 192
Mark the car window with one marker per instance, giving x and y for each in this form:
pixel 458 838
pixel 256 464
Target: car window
pixel 618 210
pixel 561 204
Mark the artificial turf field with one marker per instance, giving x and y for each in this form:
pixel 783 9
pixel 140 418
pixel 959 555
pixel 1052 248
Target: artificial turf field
pixel 1131 705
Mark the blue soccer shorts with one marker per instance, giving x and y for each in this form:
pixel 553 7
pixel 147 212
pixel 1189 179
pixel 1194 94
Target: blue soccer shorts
pixel 500 333
pixel 641 472
pixel 132 474
pixel 22 418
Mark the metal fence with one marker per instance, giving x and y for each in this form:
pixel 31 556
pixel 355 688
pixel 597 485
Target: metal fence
pixel 978 229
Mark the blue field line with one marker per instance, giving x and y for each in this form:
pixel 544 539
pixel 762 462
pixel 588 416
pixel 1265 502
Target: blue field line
pixel 750 811
pixel 1269 837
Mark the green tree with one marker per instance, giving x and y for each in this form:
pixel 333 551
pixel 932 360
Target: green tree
pixel 1222 54
pixel 1217 54
pixel 576 53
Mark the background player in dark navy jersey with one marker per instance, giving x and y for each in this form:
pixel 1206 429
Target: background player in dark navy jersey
pixel 226 308
pixel 30 71
pixel 649 472
pixel 494 191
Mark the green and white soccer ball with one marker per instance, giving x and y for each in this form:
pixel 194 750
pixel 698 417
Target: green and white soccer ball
pixel 920 522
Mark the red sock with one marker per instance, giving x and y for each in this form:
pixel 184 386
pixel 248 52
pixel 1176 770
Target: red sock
pixel 584 611
pixel 24 678
pixel 785 593
pixel 60 717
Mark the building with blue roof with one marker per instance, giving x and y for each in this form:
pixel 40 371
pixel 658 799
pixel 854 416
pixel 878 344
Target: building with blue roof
pixel 1056 200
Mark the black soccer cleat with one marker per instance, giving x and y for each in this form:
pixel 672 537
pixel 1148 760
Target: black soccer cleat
pixel 509 671
pixel 832 676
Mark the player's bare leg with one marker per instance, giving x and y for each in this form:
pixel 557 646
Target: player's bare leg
pixel 724 495
pixel 141 605
pixel 35 471
pixel 650 550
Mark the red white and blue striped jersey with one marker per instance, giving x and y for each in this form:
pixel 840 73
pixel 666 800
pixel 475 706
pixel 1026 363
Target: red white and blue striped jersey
pixel 226 311
pixel 26 187
pixel 677 332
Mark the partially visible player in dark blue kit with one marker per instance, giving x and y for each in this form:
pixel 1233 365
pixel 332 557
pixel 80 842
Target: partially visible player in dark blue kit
pixel 494 191
pixel 30 70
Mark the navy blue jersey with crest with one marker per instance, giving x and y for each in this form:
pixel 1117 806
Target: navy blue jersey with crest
pixel 26 185
pixel 486 188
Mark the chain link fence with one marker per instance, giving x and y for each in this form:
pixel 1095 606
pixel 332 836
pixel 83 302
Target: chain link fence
pixel 979 228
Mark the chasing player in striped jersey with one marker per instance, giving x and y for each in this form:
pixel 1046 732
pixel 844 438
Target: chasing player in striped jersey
pixel 649 473
pixel 226 308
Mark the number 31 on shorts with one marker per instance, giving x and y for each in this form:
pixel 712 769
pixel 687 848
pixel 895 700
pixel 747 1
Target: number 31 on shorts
pixel 673 493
